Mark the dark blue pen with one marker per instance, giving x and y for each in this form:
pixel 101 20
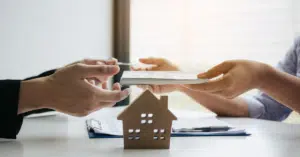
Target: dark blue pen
pixel 212 128
pixel 204 129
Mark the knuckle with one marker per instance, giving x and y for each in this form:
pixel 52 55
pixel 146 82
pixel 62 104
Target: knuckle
pixel 78 66
pixel 118 97
pixel 102 69
pixel 85 60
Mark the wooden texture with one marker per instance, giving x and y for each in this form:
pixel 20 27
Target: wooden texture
pixel 147 123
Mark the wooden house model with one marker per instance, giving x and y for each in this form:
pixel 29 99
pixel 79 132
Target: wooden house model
pixel 147 123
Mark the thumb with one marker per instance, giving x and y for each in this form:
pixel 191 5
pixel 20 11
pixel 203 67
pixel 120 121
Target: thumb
pixel 217 70
pixel 84 70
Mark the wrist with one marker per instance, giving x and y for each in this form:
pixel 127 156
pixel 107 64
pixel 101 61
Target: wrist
pixel 32 95
pixel 266 75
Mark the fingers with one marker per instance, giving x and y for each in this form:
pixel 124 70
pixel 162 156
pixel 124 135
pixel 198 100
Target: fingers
pixel 93 61
pixel 212 86
pixel 152 60
pixel 88 71
pixel 137 69
pixel 152 68
pixel 91 81
pixel 88 61
pixel 94 81
pixel 112 96
pixel 107 98
pixel 104 85
pixel 116 87
pixel 217 70
pixel 134 68
pixel 112 61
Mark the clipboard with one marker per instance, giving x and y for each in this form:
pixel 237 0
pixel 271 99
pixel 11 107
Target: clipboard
pixel 93 134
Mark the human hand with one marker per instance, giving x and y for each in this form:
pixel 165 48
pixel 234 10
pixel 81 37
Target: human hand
pixel 158 64
pixel 100 79
pixel 69 91
pixel 238 77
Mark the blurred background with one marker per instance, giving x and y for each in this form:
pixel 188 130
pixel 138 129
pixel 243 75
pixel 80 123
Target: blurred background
pixel 38 35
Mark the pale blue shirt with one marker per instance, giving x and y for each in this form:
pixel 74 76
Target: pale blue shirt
pixel 263 106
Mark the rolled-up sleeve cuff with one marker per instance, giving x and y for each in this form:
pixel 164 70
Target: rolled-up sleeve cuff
pixel 255 108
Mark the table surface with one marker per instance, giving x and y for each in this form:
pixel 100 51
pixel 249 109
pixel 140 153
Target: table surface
pixel 65 136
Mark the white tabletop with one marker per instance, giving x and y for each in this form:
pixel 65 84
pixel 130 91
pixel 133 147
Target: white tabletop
pixel 67 137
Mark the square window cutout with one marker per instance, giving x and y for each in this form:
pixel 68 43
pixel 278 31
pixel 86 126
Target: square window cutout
pixel 150 115
pixel 143 121
pixel 130 131
pixel 155 131
pixel 143 115
pixel 155 138
pixel 150 121
pixel 137 130
pixel 130 138
pixel 137 138
pixel 162 130
pixel 162 138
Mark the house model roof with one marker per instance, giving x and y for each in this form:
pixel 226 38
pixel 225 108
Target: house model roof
pixel 147 101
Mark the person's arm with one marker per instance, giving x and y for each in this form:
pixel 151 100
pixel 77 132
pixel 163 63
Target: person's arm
pixel 259 106
pixel 10 120
pixel 71 90
pixel 221 106
pixel 283 87
pixel 46 73
pixel 279 86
